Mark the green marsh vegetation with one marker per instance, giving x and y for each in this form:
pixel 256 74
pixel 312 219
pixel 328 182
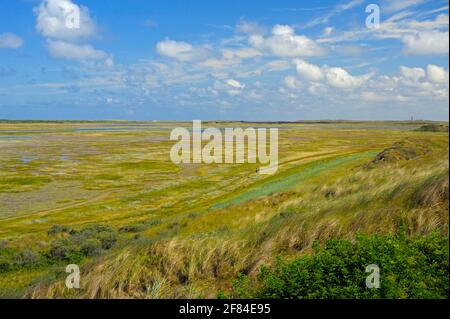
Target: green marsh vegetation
pixel 106 196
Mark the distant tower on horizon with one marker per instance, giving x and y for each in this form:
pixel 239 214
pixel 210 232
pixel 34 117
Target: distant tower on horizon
pixel 412 118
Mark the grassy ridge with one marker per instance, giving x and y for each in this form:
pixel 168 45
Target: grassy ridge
pixel 290 179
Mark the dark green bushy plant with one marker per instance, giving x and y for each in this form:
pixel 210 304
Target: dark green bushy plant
pixel 70 247
pixel 106 235
pixel 409 268
pixel 89 241
pixel 5 264
pixel 27 257
pixel 91 247
pixel 58 229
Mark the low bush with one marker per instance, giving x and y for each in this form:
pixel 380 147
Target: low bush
pixel 106 235
pixel 57 229
pixel 27 257
pixel 409 268
pixel 132 228
pixel 5 265
pixel 61 249
pixel 87 242
pixel 92 247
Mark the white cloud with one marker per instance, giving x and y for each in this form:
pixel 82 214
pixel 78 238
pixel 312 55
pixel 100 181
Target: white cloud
pixel 10 41
pixel 276 65
pixel 71 51
pixel 437 74
pixel 412 84
pixel 230 57
pixel 440 22
pixel 328 31
pixel 285 43
pixel 335 12
pixel 340 78
pixel 397 5
pixel 292 82
pixel 243 53
pixel 230 86
pixel 424 43
pixel 67 26
pixel 248 27
pixel 377 97
pixel 413 74
pixel 235 84
pixel 420 32
pixel 253 94
pixel 334 76
pixel 109 62
pixel 217 63
pixel 55 20
pixel 308 71
pixel 181 51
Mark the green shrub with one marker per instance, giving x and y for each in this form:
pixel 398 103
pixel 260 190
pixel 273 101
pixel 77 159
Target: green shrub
pixel 57 229
pixel 154 222
pixel 61 249
pixel 132 228
pixel 409 268
pixel 27 258
pixel 433 128
pixel 5 265
pixel 12 259
pixel 92 247
pixel 89 241
pixel 107 239
pixel 106 235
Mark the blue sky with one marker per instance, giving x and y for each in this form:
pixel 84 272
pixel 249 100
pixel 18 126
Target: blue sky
pixel 242 60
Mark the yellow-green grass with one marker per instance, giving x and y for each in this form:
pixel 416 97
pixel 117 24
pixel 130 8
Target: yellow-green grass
pixel 206 223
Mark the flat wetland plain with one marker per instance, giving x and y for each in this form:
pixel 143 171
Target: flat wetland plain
pixel 202 224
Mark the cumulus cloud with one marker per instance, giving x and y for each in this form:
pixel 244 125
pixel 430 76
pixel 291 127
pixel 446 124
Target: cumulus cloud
pixel 10 41
pixel 292 82
pixel 334 76
pixel 308 71
pixel 67 26
pixel 431 82
pixel 437 74
pixel 181 51
pixel 340 78
pixel 64 20
pixel 285 43
pixel 413 74
pixel 424 43
pixel 70 51
pixel 412 84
